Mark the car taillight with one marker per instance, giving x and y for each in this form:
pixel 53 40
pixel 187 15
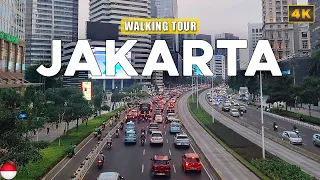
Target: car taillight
pixel 99 161
pixel 126 117
pixel 187 164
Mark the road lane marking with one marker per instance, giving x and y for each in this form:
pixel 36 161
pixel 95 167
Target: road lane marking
pixel 304 144
pixel 170 152
pixel 165 132
pixel 71 158
pixel 142 168
pixel 254 122
pixel 164 126
pixel 167 141
pixel 174 169
pixel 144 152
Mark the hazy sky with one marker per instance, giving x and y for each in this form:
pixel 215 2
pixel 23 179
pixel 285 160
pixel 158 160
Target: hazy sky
pixel 216 16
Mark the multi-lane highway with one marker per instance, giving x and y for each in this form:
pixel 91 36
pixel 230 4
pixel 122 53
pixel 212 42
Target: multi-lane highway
pixel 308 165
pixel 253 117
pixel 133 161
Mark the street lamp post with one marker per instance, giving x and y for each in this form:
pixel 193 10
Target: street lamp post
pixel 192 86
pixel 197 92
pixel 262 125
pixel 212 112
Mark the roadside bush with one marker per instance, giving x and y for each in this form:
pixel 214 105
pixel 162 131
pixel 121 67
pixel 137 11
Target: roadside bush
pixel 278 169
pixel 289 114
pixel 54 153
pixel 105 108
pixel 41 144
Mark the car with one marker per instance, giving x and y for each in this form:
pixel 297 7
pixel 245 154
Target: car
pixel 160 166
pixel 158 111
pixel 171 116
pixel 130 126
pixel 156 137
pixel 181 140
pixel 176 121
pixel 236 104
pixel 316 139
pixel 243 109
pixel 158 118
pixel 130 117
pixel 153 127
pixel 225 108
pixel 130 137
pixel 292 137
pixel 191 162
pixel 234 113
pixel 174 127
pixel 109 176
pixel 134 112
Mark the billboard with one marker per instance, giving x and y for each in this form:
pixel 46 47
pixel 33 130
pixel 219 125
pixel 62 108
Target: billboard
pixel 86 88
pixel 100 55
pixel 196 70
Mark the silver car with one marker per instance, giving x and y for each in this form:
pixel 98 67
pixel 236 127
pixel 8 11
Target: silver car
pixel 234 113
pixel 292 137
pixel 156 137
pixel 181 140
pixel 158 118
pixel 316 139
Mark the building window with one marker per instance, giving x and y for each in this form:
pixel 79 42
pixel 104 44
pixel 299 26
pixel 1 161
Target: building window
pixel 286 44
pixel 286 35
pixel 304 35
pixel 279 34
pixel 260 30
pixel 271 34
pixel 305 44
pixel 271 26
pixel 252 30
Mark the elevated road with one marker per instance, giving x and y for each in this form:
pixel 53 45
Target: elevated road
pixel 308 165
pixel 227 165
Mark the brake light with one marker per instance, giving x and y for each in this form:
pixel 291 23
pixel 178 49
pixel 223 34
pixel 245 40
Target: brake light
pixel 99 161
pixel 187 164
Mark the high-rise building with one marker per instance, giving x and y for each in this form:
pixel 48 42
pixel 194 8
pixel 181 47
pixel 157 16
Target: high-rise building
pixel 165 9
pixel 223 51
pixel 315 27
pixel 205 37
pixel 47 20
pixel 302 40
pixel 254 35
pixel 112 11
pixel 276 28
pixel 12 44
pixel 217 66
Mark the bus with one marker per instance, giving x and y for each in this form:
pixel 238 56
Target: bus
pixel 145 109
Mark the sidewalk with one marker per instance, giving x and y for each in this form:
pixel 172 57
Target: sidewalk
pixel 53 132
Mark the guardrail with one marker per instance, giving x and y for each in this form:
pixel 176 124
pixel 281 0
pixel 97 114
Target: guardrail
pixel 89 160
pixel 293 121
pixel 299 150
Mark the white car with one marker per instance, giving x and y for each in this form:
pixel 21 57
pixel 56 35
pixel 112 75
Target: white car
pixel 292 137
pixel 171 116
pixel 156 137
pixel 234 113
pixel 181 140
pixel 158 118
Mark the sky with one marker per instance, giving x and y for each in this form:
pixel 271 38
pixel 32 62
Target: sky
pixel 216 16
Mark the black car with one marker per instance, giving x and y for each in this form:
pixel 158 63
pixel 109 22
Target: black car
pixel 242 109
pixel 225 108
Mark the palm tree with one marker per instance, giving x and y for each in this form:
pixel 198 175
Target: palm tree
pixel 314 62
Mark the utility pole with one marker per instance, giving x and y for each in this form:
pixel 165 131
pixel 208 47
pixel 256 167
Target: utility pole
pixel 197 92
pixel 212 101
pixel 262 125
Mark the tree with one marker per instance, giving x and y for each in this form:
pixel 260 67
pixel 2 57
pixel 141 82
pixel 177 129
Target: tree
pixel 281 89
pixel 33 76
pixel 232 83
pixel 14 139
pixel 314 62
pixel 309 91
pixel 97 98
pixel 252 84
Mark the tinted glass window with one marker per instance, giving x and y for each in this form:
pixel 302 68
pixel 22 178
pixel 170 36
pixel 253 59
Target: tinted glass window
pixel 160 162
pixel 193 160
pixel 156 135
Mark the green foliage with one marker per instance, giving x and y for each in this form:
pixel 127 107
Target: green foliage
pixel 309 90
pixel 314 62
pixel 33 76
pixel 253 85
pixel 54 153
pixel 97 98
pixel 278 169
pixel 281 89
pixel 106 108
pixel 41 144
pixel 200 113
pixel 117 97
pixel 289 114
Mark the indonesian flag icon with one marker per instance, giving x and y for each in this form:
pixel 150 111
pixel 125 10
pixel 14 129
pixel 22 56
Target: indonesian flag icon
pixel 8 171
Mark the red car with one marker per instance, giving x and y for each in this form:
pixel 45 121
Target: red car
pixel 191 162
pixel 160 166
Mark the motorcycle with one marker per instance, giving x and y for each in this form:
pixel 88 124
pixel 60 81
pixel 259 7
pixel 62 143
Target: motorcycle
pixel 241 113
pixel 100 163
pixel 296 131
pixel 108 145
pixel 99 137
pixel 142 142
pixel 70 154
pixel 275 128
pixel 121 127
pixel 95 134
pixel 117 134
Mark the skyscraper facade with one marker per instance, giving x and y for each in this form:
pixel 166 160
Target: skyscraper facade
pixel 254 35
pixel 12 44
pixel 165 9
pixel 112 11
pixel 205 37
pixel 47 20
pixel 276 28
pixel 315 27
pixel 223 51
